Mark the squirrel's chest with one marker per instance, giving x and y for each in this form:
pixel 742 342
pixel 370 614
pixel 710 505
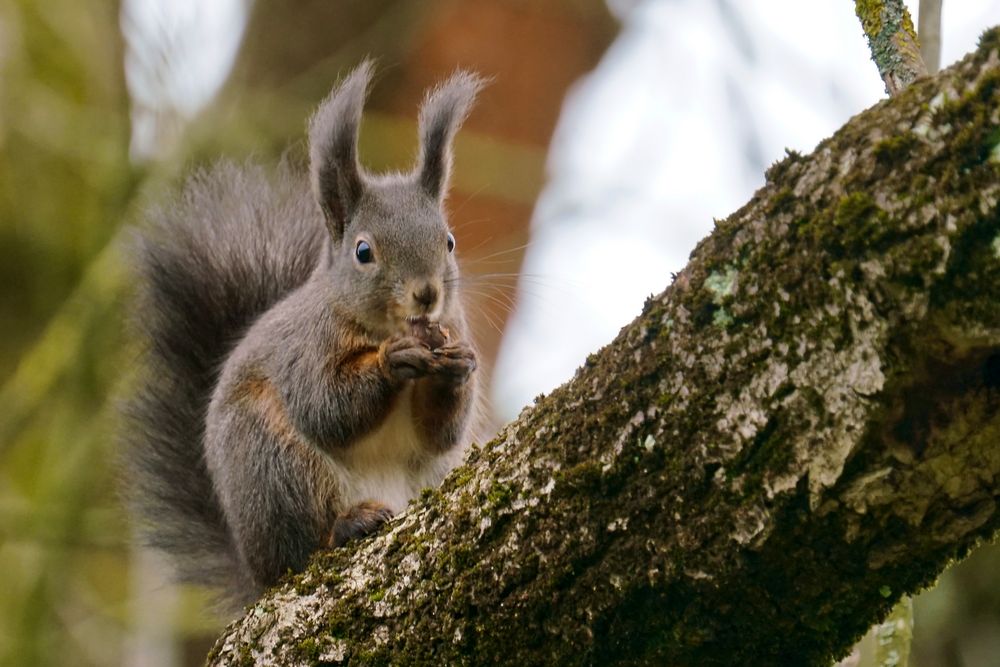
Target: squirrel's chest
pixel 389 465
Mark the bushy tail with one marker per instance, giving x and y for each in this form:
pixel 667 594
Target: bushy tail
pixel 234 242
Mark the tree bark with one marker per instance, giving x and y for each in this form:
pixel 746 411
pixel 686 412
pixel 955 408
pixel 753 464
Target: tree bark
pixel 800 430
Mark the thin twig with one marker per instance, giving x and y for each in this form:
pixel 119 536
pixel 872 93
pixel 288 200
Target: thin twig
pixel 929 32
pixel 894 635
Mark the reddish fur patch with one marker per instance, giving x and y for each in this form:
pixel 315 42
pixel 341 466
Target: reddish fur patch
pixel 352 352
pixel 359 360
pixel 263 397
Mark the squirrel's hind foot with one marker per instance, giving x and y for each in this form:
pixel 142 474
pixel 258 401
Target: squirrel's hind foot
pixel 358 521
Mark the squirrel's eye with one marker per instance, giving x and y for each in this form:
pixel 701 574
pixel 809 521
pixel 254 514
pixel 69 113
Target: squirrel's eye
pixel 364 252
pixel 451 242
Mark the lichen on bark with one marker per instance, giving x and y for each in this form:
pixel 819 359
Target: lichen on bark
pixel 892 40
pixel 753 488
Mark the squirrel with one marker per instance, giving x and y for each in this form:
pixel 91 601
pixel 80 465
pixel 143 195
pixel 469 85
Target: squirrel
pixel 307 366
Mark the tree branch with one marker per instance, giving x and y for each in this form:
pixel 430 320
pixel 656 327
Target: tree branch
pixel 893 42
pixel 801 429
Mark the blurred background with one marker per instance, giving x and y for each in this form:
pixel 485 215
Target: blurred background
pixel 612 134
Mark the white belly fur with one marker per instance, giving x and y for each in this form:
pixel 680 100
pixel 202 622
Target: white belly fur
pixel 388 465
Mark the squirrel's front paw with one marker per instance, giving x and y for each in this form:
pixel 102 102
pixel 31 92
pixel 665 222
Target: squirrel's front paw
pixel 358 521
pixel 405 358
pixel 454 362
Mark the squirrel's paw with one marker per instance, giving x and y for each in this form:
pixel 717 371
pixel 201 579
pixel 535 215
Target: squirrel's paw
pixel 358 521
pixel 454 362
pixel 406 358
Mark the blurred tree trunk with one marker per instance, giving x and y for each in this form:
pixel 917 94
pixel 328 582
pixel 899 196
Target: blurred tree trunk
pixel 929 33
pixel 800 430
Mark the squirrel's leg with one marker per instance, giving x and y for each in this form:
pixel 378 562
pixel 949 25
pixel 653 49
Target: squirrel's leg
pixel 275 489
pixel 279 511
pixel 444 397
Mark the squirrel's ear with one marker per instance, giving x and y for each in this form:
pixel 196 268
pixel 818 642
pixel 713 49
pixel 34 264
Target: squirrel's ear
pixel 442 113
pixel 337 181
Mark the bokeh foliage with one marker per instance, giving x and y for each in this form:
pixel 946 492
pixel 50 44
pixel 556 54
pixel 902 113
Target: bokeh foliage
pixel 65 182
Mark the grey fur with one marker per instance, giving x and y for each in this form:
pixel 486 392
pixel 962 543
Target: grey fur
pixel 335 172
pixel 442 113
pixel 284 386
pixel 228 248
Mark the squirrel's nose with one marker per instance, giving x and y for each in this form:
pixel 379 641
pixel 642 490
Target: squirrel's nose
pixel 426 296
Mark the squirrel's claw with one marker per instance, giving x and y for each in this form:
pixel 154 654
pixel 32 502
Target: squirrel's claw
pixel 409 358
pixel 406 358
pixel 457 361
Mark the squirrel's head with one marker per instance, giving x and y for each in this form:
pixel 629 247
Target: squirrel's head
pixel 391 254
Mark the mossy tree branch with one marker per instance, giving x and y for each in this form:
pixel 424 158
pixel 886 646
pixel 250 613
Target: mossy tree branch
pixel 800 430
pixel 893 42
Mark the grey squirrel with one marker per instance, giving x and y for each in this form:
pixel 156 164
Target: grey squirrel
pixel 307 364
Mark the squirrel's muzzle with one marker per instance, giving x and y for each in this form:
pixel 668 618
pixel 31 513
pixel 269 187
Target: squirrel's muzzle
pixel 423 299
pixel 426 297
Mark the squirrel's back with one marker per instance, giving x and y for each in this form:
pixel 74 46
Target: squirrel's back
pixel 233 243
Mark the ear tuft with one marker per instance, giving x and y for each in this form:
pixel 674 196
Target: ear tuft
pixel 337 180
pixel 443 111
